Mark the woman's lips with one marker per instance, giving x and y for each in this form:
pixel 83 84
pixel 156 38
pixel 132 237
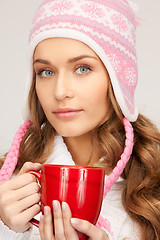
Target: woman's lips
pixel 67 112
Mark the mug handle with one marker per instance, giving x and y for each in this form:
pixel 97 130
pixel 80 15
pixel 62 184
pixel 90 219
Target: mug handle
pixel 38 176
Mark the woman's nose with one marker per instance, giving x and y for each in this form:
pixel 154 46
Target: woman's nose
pixel 63 89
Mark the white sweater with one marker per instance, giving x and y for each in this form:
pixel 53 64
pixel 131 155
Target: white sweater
pixel 121 225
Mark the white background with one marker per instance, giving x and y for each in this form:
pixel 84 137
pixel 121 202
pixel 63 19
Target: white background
pixel 15 20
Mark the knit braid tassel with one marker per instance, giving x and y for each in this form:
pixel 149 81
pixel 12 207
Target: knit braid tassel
pixel 117 171
pixel 13 154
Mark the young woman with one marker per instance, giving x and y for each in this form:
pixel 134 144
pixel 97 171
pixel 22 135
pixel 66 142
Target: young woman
pixel 79 97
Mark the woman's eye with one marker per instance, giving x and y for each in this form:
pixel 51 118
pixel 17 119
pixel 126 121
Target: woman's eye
pixel 83 70
pixel 46 73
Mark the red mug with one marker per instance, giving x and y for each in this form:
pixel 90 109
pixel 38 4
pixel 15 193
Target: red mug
pixel 79 186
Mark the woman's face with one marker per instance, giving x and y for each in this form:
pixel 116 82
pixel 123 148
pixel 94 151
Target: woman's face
pixel 71 85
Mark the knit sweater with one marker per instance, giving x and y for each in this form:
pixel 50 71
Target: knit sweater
pixel 120 225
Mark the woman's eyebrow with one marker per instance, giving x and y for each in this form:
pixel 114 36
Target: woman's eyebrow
pixel 72 60
pixel 75 59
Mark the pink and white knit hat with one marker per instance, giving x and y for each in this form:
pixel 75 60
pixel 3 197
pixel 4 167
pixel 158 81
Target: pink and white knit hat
pixel 106 26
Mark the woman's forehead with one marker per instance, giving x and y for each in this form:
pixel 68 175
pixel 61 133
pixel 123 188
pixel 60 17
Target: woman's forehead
pixel 62 46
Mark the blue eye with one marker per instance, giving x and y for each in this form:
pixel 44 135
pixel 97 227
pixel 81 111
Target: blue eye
pixel 83 70
pixel 46 73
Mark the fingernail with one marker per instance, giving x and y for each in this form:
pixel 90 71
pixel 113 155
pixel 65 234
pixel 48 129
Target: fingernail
pixel 75 221
pixel 64 206
pixel 55 205
pixel 46 211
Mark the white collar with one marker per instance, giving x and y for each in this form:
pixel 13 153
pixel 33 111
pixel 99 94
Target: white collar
pixel 60 154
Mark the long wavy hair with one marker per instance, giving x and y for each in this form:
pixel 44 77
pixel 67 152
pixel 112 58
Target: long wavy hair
pixel 141 194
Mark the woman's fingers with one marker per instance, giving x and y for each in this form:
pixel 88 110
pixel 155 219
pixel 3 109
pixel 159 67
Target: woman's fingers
pixel 89 229
pixel 20 222
pixel 16 196
pixel 27 190
pixel 30 166
pixel 27 202
pixel 62 223
pixel 9 196
pixel 65 227
pixel 17 182
pixel 31 212
pixel 19 199
pixel 58 221
pixel 24 192
pixel 69 231
pixel 46 225
pixel 41 228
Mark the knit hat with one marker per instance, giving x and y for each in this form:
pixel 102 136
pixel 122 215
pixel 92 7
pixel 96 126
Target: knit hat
pixel 107 27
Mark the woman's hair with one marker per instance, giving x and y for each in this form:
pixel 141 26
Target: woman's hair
pixel 141 195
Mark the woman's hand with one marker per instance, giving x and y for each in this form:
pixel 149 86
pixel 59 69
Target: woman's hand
pixel 65 227
pixel 19 199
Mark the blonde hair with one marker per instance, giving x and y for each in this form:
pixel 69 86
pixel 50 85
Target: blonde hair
pixel 141 194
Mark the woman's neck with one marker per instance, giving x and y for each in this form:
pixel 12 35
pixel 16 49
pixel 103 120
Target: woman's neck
pixel 84 149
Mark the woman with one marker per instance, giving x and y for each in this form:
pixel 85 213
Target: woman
pixel 81 83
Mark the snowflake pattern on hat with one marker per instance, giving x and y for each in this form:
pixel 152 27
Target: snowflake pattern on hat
pixel 119 22
pixel 130 76
pixel 62 6
pixel 93 10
